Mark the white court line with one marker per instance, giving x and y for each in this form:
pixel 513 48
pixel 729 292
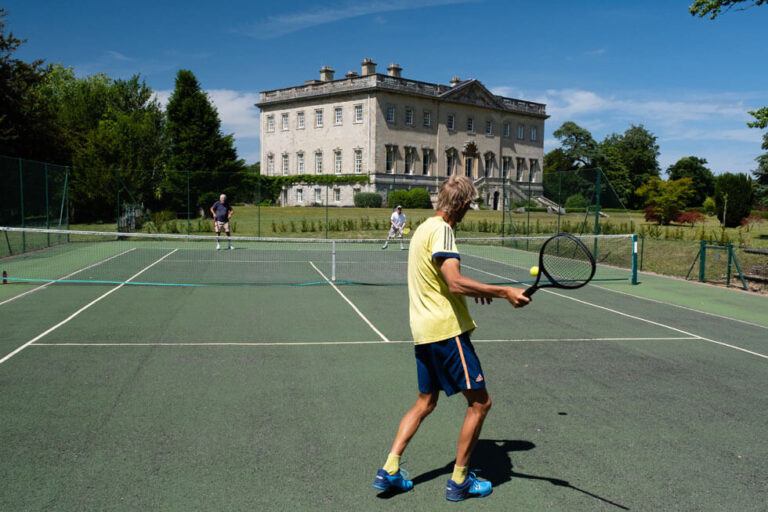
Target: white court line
pixel 310 343
pixel 734 347
pixel 383 338
pixel 65 277
pixel 681 307
pixel 73 315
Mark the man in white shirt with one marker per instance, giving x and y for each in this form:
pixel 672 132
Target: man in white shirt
pixel 397 221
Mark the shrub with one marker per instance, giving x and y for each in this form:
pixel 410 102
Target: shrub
pixel 709 206
pixel 161 217
pixel 651 215
pixel 398 197
pixel 691 217
pixel 367 200
pixel 575 202
pixel 418 198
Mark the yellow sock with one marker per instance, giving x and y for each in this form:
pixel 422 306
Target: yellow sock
pixel 392 466
pixel 460 474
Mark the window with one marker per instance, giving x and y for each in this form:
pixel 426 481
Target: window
pixel 427 118
pixel 285 164
pixel 469 163
pixel 319 162
pixel 489 127
pixel 390 114
pixel 520 169
pixel 507 129
pixel 505 164
pixel 337 195
pixel 337 162
pixel 470 125
pixel 426 161
pixel 358 113
pixel 390 159
pixel 300 120
pixel 521 131
pixel 450 162
pixel 533 133
pixel 358 161
pixel 318 195
pixel 338 115
pixel 270 165
pixel 319 118
pixel 488 164
pixel 299 195
pixel 409 160
pixel 409 116
pixel 300 163
pixel 451 122
pixel 284 122
pixel 270 123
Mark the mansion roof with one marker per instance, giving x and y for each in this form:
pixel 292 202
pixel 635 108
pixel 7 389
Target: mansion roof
pixel 468 92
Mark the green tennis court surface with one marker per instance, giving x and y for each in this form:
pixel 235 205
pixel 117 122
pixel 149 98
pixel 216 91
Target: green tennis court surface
pixel 221 397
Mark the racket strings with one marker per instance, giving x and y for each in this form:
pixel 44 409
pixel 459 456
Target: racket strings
pixel 567 263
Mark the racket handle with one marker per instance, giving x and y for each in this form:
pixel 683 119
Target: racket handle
pixel 530 291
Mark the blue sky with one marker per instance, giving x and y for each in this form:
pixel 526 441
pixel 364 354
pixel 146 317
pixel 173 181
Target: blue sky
pixel 603 64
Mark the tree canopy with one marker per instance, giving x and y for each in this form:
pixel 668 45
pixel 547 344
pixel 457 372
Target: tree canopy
pixel 703 179
pixel 713 8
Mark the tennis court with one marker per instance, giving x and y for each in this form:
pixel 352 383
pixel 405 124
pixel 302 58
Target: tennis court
pixel 199 392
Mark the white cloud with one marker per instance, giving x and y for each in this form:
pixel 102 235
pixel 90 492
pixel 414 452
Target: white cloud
pixel 119 56
pixel 276 26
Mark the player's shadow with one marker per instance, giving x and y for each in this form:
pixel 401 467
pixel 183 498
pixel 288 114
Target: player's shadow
pixel 492 461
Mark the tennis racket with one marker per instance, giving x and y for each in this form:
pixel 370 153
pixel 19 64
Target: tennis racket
pixel 566 262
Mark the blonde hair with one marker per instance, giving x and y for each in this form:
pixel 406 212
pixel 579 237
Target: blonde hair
pixel 454 193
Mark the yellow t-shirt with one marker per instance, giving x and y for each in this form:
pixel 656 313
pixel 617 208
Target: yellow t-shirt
pixel 436 313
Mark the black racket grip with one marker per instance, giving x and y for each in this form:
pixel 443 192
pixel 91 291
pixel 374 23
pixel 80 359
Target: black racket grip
pixel 530 291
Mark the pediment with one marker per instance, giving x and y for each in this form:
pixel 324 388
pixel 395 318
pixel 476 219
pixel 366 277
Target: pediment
pixel 473 93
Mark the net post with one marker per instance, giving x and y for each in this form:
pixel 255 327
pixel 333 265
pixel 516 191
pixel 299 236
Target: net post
pixel 327 186
pixel 47 208
pixel 702 260
pixel 634 258
pixel 333 261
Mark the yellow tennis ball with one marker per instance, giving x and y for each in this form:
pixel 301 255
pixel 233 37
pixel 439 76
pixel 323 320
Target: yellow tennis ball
pixel 534 270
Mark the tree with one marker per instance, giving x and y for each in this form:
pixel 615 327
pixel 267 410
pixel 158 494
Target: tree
pixel 630 160
pixel 578 145
pixel 713 8
pixel 27 127
pixel 734 196
pixel 761 180
pixel 197 149
pixel 666 198
pixel 694 168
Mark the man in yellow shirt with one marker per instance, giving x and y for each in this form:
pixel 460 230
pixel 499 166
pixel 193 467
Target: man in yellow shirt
pixel 441 325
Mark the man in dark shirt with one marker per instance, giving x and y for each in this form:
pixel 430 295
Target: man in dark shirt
pixel 221 211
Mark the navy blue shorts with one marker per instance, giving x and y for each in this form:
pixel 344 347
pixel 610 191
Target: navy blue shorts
pixel 451 365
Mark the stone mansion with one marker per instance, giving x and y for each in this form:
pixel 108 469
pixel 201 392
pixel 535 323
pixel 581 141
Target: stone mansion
pixel 402 134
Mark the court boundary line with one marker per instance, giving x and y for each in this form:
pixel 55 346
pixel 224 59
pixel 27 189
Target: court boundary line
pixel 641 319
pixel 73 315
pixel 657 301
pixel 365 319
pixel 65 277
pixel 322 343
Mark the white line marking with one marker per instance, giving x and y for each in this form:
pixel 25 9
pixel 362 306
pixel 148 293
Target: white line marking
pixel 73 315
pixel 65 277
pixel 681 307
pixel 764 356
pixel 310 343
pixel 383 338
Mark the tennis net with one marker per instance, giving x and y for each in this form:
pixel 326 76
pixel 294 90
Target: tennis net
pixel 188 260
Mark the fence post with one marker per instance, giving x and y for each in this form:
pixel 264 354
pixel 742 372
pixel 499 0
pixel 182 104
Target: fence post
pixel 702 260
pixel 728 268
pixel 21 196
pixel 188 205
pixel 598 192
pixel 326 209
pixel 634 259
pixel 47 208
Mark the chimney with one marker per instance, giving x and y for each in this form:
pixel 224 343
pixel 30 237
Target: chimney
pixel 455 81
pixel 326 74
pixel 394 70
pixel 351 74
pixel 369 67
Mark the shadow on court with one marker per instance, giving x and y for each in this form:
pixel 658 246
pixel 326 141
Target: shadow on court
pixel 492 461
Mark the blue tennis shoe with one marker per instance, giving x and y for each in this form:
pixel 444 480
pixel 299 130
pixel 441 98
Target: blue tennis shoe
pixel 471 488
pixel 399 481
